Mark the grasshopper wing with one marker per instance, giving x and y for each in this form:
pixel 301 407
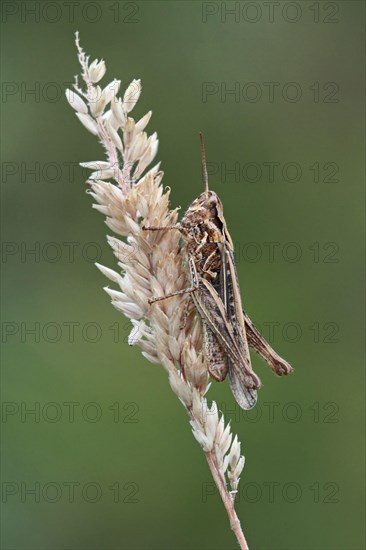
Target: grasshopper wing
pixel 241 373
pixel 220 328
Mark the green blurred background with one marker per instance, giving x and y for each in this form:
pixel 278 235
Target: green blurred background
pixel 122 471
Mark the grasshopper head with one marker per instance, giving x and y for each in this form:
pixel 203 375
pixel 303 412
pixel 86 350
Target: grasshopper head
pixel 204 219
pixel 207 204
pixel 206 207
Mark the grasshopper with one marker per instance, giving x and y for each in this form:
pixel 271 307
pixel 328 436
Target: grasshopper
pixel 227 330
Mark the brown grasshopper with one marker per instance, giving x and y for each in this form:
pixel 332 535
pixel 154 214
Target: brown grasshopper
pixel 227 330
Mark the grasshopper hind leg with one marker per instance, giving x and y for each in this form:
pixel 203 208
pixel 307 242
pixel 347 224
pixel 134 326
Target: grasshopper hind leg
pixel 243 385
pixel 217 361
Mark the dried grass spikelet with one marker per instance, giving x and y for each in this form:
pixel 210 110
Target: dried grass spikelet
pixel 151 263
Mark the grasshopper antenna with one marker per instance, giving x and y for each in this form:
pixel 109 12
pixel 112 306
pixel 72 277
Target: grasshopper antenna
pixel 204 167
